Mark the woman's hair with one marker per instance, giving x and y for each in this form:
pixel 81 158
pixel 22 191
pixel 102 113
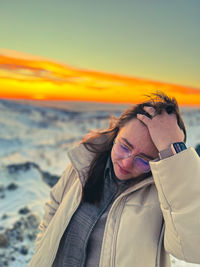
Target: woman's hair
pixel 93 188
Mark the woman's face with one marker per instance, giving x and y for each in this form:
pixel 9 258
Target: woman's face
pixel 135 136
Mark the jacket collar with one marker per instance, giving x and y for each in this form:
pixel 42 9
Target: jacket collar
pixel 80 158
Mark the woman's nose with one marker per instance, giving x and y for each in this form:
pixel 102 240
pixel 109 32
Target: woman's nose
pixel 127 163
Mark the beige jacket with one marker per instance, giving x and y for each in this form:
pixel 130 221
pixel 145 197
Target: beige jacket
pixel 133 234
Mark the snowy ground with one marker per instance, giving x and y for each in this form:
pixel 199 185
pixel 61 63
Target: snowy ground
pixel 33 153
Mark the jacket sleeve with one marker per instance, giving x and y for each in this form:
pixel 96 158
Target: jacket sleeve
pixel 56 195
pixel 177 180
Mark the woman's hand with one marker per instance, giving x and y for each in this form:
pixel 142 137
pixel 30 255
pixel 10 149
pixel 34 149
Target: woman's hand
pixel 163 128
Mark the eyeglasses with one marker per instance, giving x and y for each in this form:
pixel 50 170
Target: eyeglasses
pixel 124 152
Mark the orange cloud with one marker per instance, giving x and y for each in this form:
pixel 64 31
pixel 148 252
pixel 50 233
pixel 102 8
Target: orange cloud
pixel 25 77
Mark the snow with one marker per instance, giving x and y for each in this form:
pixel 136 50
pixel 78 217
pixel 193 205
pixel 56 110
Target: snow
pixel 34 140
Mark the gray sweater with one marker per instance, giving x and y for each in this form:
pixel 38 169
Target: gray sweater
pixel 81 243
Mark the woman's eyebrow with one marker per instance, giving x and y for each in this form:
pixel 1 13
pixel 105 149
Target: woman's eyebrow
pixel 127 142
pixel 130 145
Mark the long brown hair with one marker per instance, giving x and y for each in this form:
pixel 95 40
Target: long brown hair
pixel 93 188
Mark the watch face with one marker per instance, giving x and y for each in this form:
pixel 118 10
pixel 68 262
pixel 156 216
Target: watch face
pixel 179 146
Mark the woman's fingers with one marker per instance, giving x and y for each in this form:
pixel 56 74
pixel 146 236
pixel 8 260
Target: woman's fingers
pixel 146 120
pixel 143 118
pixel 163 128
pixel 150 110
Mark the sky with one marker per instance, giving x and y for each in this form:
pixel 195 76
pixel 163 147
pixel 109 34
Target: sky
pixel 149 39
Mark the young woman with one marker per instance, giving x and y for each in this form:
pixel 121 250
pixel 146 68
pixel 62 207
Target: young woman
pixel 130 196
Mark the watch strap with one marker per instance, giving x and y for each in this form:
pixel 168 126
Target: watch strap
pixel 172 149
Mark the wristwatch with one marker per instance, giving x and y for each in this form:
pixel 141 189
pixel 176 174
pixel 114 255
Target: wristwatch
pixel 172 149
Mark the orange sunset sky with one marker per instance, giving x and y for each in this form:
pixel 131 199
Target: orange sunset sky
pixel 28 77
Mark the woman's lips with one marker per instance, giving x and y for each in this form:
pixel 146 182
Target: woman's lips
pixel 123 171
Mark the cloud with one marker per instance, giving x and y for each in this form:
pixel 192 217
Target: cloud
pixel 35 77
pixel 16 54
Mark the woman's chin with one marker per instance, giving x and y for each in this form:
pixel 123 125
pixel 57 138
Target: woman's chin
pixel 121 173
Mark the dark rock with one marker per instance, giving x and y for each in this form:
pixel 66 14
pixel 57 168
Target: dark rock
pixel 13 168
pixel 26 227
pixel 1 256
pixel 24 210
pixel 33 221
pixel 13 258
pixel 198 149
pixel 19 236
pixel 5 263
pixel 31 236
pixel 2 194
pixel 1 188
pixel 12 186
pixel 17 225
pixel 15 248
pixel 5 216
pixel 50 179
pixel 3 240
pixel 24 250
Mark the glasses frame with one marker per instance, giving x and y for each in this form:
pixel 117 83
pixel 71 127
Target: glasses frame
pixel 130 154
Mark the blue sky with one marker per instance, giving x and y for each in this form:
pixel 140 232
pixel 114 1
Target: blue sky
pixel 158 40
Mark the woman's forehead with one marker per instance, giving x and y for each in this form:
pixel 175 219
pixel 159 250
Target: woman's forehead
pixel 138 137
pixel 133 127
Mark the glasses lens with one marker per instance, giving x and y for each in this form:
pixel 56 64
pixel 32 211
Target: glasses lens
pixel 141 164
pixel 121 150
